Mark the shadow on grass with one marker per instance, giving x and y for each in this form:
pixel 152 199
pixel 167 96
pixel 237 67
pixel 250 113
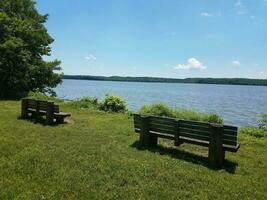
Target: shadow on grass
pixel 228 166
pixel 40 120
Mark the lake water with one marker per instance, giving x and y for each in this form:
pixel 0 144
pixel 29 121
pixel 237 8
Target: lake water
pixel 238 105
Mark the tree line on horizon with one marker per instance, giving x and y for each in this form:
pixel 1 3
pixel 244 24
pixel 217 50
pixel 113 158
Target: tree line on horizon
pixel 226 81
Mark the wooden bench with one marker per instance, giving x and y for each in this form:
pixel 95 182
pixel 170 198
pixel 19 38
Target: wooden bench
pixel 42 108
pixel 218 138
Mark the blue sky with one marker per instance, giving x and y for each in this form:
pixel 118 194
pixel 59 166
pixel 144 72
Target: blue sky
pixel 161 38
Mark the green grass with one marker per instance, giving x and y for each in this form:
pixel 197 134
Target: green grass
pixel 160 109
pixel 96 156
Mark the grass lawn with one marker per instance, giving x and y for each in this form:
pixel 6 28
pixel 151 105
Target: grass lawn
pixel 96 156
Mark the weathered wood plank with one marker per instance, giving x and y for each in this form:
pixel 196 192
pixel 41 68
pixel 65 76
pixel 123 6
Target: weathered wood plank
pixel 193 136
pixel 196 123
pixel 162 125
pixel 158 120
pixel 162 135
pixel 233 128
pixel 194 141
pixel 137 125
pixel 216 151
pixel 195 131
pixel 137 130
pixel 56 108
pixel 230 137
pixel 193 126
pixel 230 132
pixel 159 130
pixel 229 142
pixel 231 148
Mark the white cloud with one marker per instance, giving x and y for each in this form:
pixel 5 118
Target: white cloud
pixel 90 57
pixel 192 64
pixel 236 63
pixel 205 14
pixel 238 3
pixel 252 16
pixel 241 8
pixel 262 73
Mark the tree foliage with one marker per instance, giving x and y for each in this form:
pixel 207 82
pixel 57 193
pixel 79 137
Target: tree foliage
pixel 24 41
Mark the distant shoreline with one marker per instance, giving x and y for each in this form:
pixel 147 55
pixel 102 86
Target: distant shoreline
pixel 218 81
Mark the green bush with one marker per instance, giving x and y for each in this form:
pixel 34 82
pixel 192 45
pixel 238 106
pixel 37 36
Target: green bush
pixel 262 122
pixel 159 109
pixel 213 118
pixel 85 102
pixel 41 96
pixel 113 103
pixel 253 131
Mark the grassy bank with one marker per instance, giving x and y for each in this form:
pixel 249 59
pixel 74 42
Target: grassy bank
pixel 96 156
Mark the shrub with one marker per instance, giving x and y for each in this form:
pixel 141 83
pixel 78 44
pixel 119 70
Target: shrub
pixel 253 131
pixel 41 96
pixel 85 102
pixel 162 110
pixel 262 122
pixel 213 118
pixel 113 103
pixel 157 109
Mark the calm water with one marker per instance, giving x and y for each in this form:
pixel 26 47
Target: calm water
pixel 238 105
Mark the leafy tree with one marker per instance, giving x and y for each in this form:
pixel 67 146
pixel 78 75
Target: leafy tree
pixel 23 43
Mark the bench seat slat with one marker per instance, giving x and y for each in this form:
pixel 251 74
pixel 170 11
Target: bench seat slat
pixel 163 135
pixel 194 141
pixel 62 114
pixel 231 148
pixel 137 130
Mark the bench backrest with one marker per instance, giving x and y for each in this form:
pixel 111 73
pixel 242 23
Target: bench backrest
pixel 40 105
pixel 186 129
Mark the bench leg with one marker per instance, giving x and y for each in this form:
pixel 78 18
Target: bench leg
pixel 216 157
pixel 50 113
pixel 153 141
pixel 216 151
pixel 24 108
pixel 147 139
pixel 177 143
pixel 60 120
